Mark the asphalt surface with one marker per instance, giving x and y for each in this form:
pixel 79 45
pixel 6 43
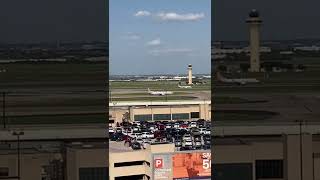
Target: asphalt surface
pixel 291 107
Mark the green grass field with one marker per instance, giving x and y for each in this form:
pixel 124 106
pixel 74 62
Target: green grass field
pixel 242 116
pixel 154 98
pixel 232 100
pixel 52 72
pixel 56 119
pixel 159 85
pixel 285 82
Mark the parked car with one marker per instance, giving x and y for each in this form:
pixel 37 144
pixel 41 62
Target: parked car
pixel 202 130
pixel 138 135
pixel 118 130
pixel 139 140
pixel 178 143
pixel 135 145
pixel 197 138
pixel 184 126
pixel 187 143
pixel 193 125
pixel 111 130
pixel 136 129
pixel 207 131
pixel 195 132
pixel 207 140
pixel 187 137
pixel 198 144
pixel 147 135
pixel 176 125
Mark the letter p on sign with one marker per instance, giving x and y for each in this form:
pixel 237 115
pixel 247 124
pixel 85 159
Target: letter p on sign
pixel 158 163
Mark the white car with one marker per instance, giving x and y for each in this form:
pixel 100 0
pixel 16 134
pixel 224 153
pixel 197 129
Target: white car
pixel 187 137
pixel 193 125
pixel 147 135
pixel 135 128
pixel 207 131
pixel 202 130
pixel 168 126
pixel 188 143
pixel 152 128
pixel 176 125
pixel 111 130
pixel 150 135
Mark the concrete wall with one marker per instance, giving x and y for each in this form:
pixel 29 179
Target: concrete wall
pixel 31 164
pixel 84 158
pixel 141 155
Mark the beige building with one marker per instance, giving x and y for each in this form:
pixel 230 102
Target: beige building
pixel 155 111
pixel 54 161
pixel 125 163
pixel 266 152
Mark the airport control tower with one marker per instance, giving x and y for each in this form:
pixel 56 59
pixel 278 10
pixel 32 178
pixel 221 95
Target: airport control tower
pixel 254 23
pixel 189 74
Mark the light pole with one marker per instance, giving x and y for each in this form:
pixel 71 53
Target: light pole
pixel 301 158
pixel 110 95
pixel 18 134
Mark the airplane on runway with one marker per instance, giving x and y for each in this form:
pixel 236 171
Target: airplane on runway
pixel 160 93
pixel 237 81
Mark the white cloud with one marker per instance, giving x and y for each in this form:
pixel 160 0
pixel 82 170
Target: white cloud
pixel 172 16
pixel 157 52
pixel 155 42
pixel 131 36
pixel 142 13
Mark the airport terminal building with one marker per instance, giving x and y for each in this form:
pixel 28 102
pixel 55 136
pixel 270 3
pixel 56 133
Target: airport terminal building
pixel 159 111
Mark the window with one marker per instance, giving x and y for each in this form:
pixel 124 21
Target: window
pixel 100 173
pixel 180 116
pixel 269 169
pixel 240 171
pixel 162 117
pixel 4 171
pixel 195 115
pixel 132 163
pixel 145 117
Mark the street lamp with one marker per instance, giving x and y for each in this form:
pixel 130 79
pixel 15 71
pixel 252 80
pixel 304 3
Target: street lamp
pixel 18 134
pixel 301 158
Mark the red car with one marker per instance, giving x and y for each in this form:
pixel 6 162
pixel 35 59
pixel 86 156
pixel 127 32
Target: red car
pixel 161 127
pixel 184 126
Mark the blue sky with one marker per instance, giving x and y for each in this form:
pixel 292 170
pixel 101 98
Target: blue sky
pixel 159 36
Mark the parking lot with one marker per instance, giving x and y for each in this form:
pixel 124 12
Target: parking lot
pixel 186 135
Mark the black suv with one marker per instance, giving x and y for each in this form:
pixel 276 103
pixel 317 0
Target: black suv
pixel 136 146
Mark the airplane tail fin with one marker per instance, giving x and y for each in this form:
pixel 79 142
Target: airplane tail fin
pixel 148 89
